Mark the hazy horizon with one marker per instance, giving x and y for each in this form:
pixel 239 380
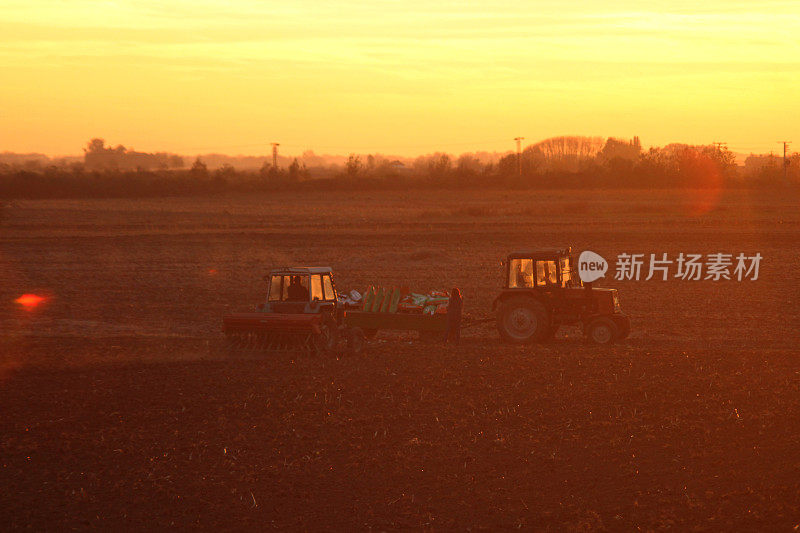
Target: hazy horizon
pixel 334 157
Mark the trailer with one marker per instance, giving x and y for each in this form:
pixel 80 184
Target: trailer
pixel 428 327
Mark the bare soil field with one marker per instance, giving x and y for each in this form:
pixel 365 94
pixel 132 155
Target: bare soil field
pixel 120 411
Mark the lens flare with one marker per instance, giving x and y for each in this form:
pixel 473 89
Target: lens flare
pixel 703 181
pixel 30 301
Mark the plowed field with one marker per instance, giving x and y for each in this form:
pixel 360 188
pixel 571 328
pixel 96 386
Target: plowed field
pixel 120 411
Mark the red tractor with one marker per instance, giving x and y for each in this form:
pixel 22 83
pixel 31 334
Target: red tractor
pixel 543 291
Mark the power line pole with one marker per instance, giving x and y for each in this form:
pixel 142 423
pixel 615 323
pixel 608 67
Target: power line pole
pixel 519 154
pixel 785 161
pixel 719 145
pixel 275 154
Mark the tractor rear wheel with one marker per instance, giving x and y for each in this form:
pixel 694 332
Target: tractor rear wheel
pixel 522 320
pixel 624 329
pixel 601 330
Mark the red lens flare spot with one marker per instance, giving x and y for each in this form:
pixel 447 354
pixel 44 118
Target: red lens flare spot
pixel 29 301
pixel 704 181
pixel 212 271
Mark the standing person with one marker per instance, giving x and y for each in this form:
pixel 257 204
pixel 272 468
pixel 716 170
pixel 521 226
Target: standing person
pixel 454 309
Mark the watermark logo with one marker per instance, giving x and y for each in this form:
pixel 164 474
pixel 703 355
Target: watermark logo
pixel 683 266
pixel 591 266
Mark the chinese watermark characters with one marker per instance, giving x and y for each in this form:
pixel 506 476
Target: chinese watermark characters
pixel 690 267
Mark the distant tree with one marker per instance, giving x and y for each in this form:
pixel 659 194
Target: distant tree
pixel 724 159
pixel 270 172
pixel 468 165
pixel 225 172
pixel 264 170
pixel 353 166
pixel 657 166
pixel 793 171
pixel 532 161
pixel 697 168
pixel 507 166
pixel 95 146
pixel 297 171
pixel 567 154
pixel 294 170
pixel 619 159
pixel 616 148
pixel 199 169
pixel 439 166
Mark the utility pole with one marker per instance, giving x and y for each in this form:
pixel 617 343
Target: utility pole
pixel 275 155
pixel 719 145
pixel 785 161
pixel 519 154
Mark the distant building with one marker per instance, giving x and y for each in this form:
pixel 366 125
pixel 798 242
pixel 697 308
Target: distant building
pixel 96 156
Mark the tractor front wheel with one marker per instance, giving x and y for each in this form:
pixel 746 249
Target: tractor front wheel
pixel 522 320
pixel 328 337
pixel 624 328
pixel 601 330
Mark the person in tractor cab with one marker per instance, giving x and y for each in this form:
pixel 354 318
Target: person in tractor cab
pixel 296 290
pixel 454 308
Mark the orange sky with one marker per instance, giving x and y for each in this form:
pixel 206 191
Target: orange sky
pixel 394 77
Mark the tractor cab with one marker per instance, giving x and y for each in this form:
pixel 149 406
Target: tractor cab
pixel 299 290
pixel 543 291
pixel 541 269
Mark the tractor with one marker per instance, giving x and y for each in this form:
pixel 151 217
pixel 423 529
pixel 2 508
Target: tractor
pixel 300 313
pixel 542 291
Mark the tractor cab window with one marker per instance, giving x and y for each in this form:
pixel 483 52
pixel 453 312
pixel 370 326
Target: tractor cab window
pixel 316 287
pixel 327 285
pixel 520 273
pixel 566 273
pixel 275 288
pixel 284 288
pixel 552 273
pixel 546 273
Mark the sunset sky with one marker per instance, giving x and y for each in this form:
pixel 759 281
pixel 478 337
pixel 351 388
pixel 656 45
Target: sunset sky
pixel 404 78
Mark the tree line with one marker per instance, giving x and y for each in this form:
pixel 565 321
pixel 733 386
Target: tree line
pixel 557 163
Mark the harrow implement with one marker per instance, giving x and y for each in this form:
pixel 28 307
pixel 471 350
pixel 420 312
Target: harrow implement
pixel 268 332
